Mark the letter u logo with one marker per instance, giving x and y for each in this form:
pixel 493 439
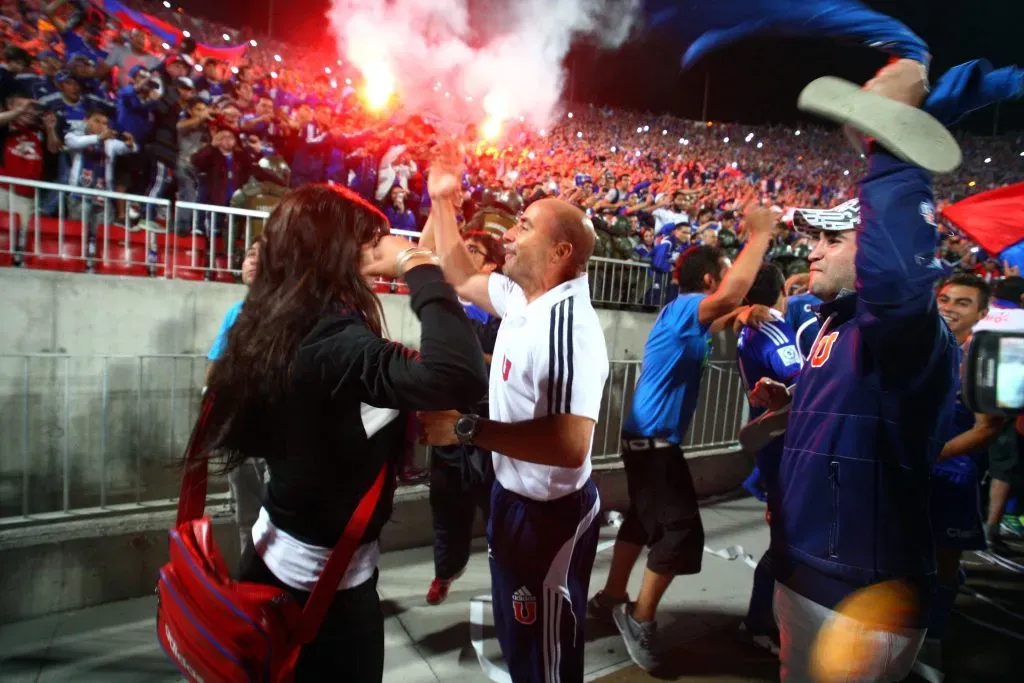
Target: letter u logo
pixel 823 350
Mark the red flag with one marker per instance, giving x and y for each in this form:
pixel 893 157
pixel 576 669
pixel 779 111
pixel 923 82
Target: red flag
pixel 993 219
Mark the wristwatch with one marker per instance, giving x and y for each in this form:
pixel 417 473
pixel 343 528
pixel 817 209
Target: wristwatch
pixel 465 428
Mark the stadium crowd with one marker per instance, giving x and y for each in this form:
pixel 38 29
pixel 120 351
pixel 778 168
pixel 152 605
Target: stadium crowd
pixel 91 103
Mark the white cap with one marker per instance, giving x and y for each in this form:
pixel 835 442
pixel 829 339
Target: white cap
pixel 844 217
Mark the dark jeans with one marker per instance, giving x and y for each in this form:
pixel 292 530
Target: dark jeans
pixel 460 483
pixel 350 643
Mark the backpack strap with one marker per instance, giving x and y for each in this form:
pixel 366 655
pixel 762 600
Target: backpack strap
pixel 327 585
pixel 192 496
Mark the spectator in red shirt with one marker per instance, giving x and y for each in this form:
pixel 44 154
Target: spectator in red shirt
pixel 26 137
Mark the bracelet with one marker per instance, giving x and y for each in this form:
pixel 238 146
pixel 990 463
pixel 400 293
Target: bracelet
pixel 410 253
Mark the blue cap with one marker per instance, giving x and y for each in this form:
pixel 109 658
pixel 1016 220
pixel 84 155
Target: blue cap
pixel 62 76
pixel 134 71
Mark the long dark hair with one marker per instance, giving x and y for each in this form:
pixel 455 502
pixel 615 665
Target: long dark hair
pixel 310 264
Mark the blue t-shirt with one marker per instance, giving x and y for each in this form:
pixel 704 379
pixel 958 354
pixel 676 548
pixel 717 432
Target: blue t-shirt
pixel 474 312
pixel 220 344
pixel 801 319
pixel 675 356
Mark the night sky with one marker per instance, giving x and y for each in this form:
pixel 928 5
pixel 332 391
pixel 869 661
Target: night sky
pixel 753 82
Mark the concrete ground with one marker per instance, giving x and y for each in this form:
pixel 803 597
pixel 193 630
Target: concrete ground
pixel 116 642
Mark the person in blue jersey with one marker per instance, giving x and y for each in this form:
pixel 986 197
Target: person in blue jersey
pixel 663 513
pixel 863 427
pixel 801 317
pixel 768 349
pixel 758 358
pixel 955 499
pixel 462 476
pixel 93 149
pixel 663 258
pixel 247 482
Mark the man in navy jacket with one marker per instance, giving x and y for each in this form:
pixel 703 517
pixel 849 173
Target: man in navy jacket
pixel 866 413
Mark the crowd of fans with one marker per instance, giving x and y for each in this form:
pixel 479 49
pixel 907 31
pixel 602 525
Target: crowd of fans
pixel 90 103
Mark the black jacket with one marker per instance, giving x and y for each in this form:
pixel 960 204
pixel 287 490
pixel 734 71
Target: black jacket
pixel 343 376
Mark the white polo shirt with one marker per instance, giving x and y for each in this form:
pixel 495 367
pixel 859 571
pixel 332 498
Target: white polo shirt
pixel 550 357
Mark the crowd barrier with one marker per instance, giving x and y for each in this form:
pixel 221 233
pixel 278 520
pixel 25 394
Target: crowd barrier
pixel 96 435
pixel 59 227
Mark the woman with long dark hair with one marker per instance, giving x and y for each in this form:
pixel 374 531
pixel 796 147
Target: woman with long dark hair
pixel 309 383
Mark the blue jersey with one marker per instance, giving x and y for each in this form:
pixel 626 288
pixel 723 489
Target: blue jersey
pixel 962 421
pixel 770 351
pixel 220 344
pixel 801 318
pixel 675 356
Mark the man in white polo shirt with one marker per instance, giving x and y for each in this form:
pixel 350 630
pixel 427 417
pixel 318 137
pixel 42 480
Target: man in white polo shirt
pixel 548 371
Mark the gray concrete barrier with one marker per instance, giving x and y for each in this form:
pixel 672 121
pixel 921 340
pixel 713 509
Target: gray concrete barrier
pixel 100 381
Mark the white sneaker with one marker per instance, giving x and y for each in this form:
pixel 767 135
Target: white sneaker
pixel 907 132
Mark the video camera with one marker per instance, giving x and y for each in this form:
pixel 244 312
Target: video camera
pixel 993 373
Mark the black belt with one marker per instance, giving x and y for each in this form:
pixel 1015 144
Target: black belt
pixel 639 444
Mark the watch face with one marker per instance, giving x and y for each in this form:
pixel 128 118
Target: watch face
pixel 465 426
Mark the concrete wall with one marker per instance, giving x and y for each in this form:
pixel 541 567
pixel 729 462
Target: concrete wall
pixel 105 315
pixel 105 424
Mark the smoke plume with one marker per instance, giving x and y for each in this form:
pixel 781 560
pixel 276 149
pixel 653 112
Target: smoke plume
pixel 465 60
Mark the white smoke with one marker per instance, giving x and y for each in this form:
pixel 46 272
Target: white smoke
pixel 440 63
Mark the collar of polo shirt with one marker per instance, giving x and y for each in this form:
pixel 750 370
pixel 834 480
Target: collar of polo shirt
pixel 577 285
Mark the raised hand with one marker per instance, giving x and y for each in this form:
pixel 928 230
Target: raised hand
pixel 444 179
pixel 381 260
pixel 768 393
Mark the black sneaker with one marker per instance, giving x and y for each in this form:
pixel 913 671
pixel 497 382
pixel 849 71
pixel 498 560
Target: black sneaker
pixel 600 607
pixel 766 641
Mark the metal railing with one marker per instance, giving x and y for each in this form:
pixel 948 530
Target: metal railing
pixel 87 435
pixel 721 410
pixel 60 227
pixel 632 284
pixel 210 241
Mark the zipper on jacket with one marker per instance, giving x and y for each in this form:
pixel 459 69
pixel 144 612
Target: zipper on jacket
pixel 833 530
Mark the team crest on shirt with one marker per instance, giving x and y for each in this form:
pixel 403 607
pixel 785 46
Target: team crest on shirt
pixel 822 352
pixel 506 367
pixel 524 606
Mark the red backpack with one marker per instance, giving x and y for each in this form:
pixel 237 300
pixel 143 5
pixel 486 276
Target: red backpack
pixel 219 630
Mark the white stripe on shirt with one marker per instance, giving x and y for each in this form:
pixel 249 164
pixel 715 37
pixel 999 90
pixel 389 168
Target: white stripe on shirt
pixel 299 564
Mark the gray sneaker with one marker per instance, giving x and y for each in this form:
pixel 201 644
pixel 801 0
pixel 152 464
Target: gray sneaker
pixel 640 638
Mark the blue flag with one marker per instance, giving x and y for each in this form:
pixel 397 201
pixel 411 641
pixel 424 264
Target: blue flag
pixel 708 25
